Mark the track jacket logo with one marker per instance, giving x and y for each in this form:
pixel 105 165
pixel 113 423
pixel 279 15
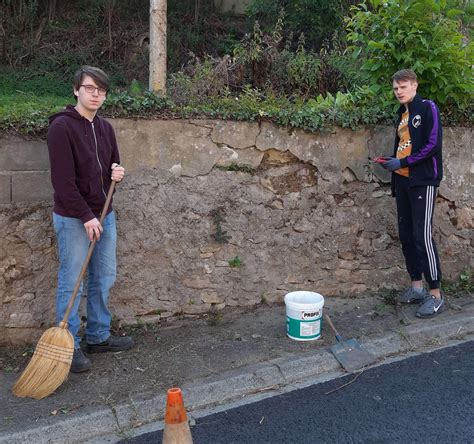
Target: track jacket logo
pixel 416 121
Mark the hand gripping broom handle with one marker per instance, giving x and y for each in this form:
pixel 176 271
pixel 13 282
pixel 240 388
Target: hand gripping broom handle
pixel 63 323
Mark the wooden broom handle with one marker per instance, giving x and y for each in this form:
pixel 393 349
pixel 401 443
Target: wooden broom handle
pixel 63 323
pixel 336 333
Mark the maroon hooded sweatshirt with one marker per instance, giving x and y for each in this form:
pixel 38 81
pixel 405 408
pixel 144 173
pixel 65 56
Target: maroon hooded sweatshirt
pixel 81 154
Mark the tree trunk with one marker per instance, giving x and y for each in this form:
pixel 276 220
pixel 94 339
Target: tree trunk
pixel 109 7
pixel 158 45
pixel 51 10
pixel 197 5
pixel 39 31
pixel 3 43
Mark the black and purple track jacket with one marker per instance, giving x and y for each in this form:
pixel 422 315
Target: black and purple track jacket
pixel 425 162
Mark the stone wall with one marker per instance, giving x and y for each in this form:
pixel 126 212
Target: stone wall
pixel 303 211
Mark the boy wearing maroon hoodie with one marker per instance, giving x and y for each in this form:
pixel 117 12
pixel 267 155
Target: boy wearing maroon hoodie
pixel 84 161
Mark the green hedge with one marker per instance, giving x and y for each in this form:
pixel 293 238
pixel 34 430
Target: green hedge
pixel 424 35
pixel 28 115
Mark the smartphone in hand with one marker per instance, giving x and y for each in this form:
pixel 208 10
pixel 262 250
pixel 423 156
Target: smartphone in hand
pixel 380 159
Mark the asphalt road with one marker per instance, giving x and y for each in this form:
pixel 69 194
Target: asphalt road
pixel 423 399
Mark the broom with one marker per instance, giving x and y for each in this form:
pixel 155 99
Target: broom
pixel 52 358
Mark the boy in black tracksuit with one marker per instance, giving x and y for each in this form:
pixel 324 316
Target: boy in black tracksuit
pixel 417 170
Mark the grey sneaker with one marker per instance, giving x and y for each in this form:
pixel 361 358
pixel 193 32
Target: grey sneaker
pixel 411 296
pixel 430 307
pixel 80 362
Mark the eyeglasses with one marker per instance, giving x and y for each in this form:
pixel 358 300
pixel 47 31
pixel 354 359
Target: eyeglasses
pixel 91 89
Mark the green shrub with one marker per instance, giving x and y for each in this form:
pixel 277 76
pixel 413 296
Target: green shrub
pixel 199 80
pixel 463 286
pixel 195 28
pixel 347 110
pixel 418 34
pixel 304 69
pixel 258 53
pixel 266 61
pixel 124 104
pixel 341 68
pixel 235 262
pixel 464 10
pixel 317 19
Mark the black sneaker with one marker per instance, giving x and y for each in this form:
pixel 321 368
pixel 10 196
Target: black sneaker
pixel 113 344
pixel 80 362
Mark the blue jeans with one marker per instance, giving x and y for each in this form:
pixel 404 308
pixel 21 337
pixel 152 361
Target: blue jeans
pixel 72 249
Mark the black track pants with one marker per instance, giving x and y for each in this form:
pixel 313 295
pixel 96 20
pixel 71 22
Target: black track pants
pixel 415 207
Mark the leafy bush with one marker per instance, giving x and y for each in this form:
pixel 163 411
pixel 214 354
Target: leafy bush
pixel 460 287
pixel 265 61
pixel 124 104
pixel 258 53
pixel 196 29
pixel 304 69
pixel 341 68
pixel 317 19
pixel 201 79
pixel 347 110
pixel 418 34
pixel 465 11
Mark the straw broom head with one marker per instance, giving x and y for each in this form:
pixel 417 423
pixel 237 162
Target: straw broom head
pixel 49 366
pixel 51 362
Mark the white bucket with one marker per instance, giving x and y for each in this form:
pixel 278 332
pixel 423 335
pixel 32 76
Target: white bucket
pixel 304 312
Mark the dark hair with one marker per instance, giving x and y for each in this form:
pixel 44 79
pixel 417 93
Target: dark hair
pixel 404 75
pixel 99 76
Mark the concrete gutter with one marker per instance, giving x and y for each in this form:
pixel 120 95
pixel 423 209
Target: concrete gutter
pixel 93 423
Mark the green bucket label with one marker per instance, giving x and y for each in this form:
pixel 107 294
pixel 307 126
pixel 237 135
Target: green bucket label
pixel 303 329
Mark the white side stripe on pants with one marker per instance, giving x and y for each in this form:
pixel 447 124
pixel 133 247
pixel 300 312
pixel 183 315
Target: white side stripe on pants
pixel 428 234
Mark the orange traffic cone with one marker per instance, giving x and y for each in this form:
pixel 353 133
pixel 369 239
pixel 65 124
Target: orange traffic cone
pixel 176 422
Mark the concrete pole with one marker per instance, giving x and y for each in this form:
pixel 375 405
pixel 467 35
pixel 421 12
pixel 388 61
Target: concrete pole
pixel 158 46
